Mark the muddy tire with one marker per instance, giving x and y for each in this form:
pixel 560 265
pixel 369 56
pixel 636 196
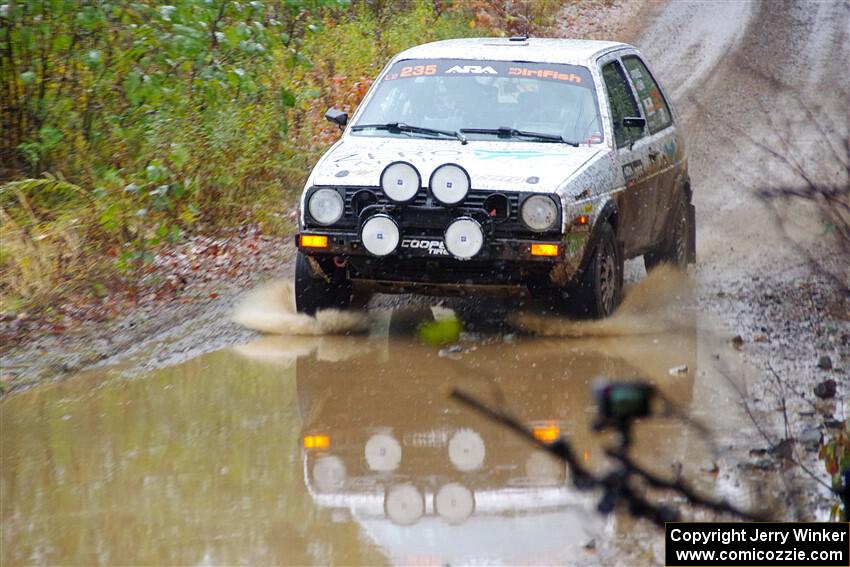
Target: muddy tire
pixel 600 287
pixel 674 250
pixel 314 291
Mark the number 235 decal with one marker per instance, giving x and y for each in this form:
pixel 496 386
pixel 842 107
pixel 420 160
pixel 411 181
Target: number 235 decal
pixel 413 71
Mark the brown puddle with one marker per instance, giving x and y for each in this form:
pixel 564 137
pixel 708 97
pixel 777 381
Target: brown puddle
pixel 342 450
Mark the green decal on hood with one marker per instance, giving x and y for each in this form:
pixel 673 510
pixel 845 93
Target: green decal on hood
pixel 514 154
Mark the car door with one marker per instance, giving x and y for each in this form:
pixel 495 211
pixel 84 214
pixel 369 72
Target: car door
pixel 664 148
pixel 637 202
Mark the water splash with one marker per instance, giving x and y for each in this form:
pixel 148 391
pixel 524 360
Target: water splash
pixel 656 304
pixel 270 308
pixel 284 350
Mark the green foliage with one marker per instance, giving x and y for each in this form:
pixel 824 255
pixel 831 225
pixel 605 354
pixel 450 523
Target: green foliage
pixel 195 113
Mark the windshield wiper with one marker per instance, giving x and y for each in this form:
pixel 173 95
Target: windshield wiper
pixel 402 127
pixel 506 132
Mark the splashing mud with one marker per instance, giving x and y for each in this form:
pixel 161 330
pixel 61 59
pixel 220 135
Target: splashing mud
pixel 656 304
pixel 271 309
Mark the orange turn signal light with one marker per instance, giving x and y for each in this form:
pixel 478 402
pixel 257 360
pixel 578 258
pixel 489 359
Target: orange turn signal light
pixel 547 434
pixel 317 441
pixel 314 241
pixel 582 219
pixel 544 249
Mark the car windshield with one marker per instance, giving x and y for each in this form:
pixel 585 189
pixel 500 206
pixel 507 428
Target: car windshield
pixel 496 99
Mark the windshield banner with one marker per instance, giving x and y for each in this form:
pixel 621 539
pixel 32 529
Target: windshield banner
pixel 410 69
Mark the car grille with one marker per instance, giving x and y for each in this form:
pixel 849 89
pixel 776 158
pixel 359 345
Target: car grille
pixel 427 205
pixel 474 200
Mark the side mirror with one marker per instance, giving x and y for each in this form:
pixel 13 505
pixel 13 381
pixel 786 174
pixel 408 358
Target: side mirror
pixel 634 122
pixel 338 117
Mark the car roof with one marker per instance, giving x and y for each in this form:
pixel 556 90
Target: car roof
pixel 539 50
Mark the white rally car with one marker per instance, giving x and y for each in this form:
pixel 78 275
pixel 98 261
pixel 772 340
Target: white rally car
pixel 483 165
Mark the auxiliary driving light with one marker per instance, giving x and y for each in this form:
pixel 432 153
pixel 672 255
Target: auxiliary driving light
pixel 464 238
pixel 383 453
pixel 467 450
pixel 404 504
pixel 400 181
pixel 454 502
pixel 449 184
pixel 380 235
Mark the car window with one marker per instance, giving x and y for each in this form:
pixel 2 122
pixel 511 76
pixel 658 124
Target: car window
pixel 654 106
pixel 622 103
pixel 451 94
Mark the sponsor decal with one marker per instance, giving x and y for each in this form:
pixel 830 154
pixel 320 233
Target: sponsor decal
pixel 544 74
pixel 434 247
pixel 472 70
pixel 633 171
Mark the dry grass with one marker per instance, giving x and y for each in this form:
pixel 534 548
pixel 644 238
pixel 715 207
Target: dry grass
pixel 43 253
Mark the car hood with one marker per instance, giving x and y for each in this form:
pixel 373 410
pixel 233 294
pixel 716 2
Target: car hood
pixel 517 166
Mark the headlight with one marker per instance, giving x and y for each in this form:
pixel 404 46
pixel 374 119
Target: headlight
pixel 539 213
pixel 326 206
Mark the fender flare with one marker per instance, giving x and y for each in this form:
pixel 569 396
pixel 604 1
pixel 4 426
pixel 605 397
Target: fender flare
pixel 609 209
pixel 683 184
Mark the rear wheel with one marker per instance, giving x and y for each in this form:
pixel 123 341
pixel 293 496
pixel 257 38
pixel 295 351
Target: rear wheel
pixel 315 291
pixel 675 246
pixel 601 285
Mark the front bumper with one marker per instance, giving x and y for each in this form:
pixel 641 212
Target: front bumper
pixel 422 264
pixel 348 245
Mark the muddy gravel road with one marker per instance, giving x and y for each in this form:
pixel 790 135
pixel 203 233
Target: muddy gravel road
pixel 195 440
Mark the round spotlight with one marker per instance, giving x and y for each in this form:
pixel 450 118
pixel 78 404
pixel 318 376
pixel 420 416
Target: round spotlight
pixel 449 184
pixel 380 235
pixel 454 502
pixel 326 206
pixel 404 504
pixel 383 453
pixel 400 181
pixel 464 238
pixel 466 450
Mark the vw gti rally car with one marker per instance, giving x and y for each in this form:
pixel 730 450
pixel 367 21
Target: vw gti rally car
pixel 477 165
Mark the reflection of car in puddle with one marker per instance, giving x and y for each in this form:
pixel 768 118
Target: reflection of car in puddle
pixel 386 447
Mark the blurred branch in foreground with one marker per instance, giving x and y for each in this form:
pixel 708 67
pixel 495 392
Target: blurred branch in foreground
pixel 621 487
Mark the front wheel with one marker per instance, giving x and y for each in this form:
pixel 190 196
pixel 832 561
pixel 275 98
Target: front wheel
pixel 315 291
pixel 600 287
